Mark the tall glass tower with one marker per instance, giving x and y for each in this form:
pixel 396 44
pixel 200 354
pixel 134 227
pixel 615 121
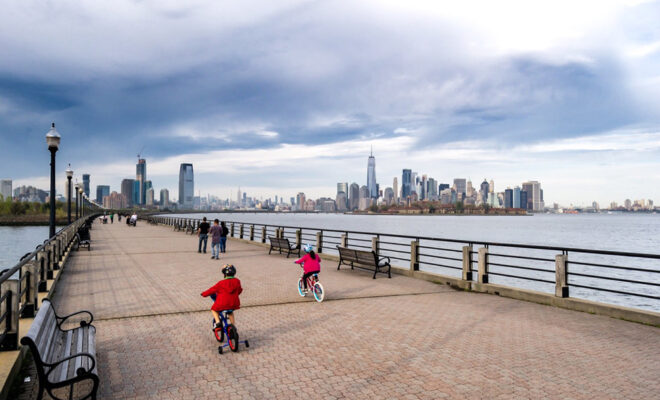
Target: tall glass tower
pixel 186 186
pixel 371 176
pixel 141 177
pixel 406 182
pixel 86 184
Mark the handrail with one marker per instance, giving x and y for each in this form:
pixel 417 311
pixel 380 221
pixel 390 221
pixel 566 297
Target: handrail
pixel 473 242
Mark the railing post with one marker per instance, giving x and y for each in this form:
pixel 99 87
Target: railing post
pixel 49 261
pixel 298 237
pixel 252 233
pixel 232 230
pixel 263 234
pixel 344 240
pixel 319 242
pixel 414 255
pixel 467 263
pixel 41 264
pixel 56 254
pixel 375 245
pixel 240 235
pixel 483 265
pixel 32 283
pixel 10 306
pixel 561 272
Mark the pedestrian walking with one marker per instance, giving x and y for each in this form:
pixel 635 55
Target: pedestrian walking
pixel 216 233
pixel 203 233
pixel 223 238
pixel 112 218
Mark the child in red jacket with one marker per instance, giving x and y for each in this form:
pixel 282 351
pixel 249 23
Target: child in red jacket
pixel 225 294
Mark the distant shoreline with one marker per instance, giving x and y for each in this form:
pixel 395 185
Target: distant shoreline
pixel 31 220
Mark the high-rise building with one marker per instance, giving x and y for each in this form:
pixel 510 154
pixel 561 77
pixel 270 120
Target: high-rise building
pixel 491 186
pixel 150 197
pixel 85 178
pixel 516 197
pixel 6 188
pixel 508 198
pixel 461 188
pixel 136 192
pixel 523 200
pixel 115 201
pixel 388 196
pixel 395 189
pixel 147 185
pixel 406 184
pixel 534 199
pixel 300 201
pixel 484 189
pixel 341 201
pixel 164 198
pixel 127 190
pixel 442 187
pixel 365 198
pixel 101 192
pixel 354 196
pixel 186 186
pixel 371 176
pixel 141 177
pixel 342 187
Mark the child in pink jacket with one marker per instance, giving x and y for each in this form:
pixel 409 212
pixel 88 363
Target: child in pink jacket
pixel 311 264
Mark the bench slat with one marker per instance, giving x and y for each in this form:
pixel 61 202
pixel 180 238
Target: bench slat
pixel 67 351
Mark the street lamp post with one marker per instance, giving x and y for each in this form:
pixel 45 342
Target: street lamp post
pixel 53 141
pixel 82 203
pixel 77 200
pixel 69 175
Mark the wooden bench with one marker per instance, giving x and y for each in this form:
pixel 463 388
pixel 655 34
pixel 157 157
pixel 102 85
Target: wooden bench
pixel 62 357
pixel 84 239
pixel 283 244
pixel 364 260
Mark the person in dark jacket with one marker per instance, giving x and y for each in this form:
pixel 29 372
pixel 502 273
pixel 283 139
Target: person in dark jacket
pixel 226 294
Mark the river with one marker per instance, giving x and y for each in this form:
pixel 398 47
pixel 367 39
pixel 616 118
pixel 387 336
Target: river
pixel 627 232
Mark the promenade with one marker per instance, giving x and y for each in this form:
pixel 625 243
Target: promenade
pixel 383 338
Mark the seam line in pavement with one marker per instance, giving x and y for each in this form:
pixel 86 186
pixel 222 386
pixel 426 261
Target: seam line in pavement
pixel 269 304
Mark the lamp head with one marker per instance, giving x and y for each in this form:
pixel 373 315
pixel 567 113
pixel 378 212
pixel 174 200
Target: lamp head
pixel 69 172
pixel 53 138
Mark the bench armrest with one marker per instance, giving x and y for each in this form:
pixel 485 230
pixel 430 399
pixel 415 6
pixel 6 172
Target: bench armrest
pixel 82 323
pixel 80 371
pixel 383 258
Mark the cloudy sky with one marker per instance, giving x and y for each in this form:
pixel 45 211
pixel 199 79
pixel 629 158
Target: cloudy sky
pixel 283 96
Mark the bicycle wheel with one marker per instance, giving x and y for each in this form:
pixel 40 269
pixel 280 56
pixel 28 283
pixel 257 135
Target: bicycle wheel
pixel 300 288
pixel 232 337
pixel 319 294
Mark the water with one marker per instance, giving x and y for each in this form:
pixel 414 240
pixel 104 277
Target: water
pixel 636 233
pixel 15 241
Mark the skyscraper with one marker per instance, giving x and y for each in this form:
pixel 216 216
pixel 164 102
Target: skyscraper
pixel 141 177
pixel 127 191
pixel 516 197
pixel 342 187
pixel 354 196
pixel 101 192
pixel 508 198
pixel 461 188
pixel 86 184
pixel 395 189
pixel 186 186
pixel 150 197
pixel 534 200
pixel 523 200
pixel 484 190
pixel 136 193
pixel 406 184
pixel 6 188
pixel 371 177
pixel 164 198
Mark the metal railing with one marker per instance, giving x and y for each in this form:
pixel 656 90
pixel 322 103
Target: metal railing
pixel 624 278
pixel 21 284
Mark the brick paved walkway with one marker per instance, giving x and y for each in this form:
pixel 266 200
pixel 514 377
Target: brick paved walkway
pixel 388 338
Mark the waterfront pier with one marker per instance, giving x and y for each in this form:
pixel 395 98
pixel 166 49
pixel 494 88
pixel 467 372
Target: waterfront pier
pixel 370 338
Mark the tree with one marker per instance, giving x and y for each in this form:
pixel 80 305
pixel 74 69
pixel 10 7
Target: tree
pixel 459 206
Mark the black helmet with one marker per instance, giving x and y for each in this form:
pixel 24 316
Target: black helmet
pixel 229 270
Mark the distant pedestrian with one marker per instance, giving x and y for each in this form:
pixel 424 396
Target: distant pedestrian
pixel 223 238
pixel 134 218
pixel 216 233
pixel 112 218
pixel 119 217
pixel 203 233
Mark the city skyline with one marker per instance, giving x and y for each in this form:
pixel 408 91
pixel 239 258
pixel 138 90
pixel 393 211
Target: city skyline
pixel 564 93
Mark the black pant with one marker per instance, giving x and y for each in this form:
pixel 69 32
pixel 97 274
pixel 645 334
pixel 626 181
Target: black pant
pixel 307 275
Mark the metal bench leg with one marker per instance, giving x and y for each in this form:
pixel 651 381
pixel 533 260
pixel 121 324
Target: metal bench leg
pixel 375 272
pixel 339 265
pixel 271 249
